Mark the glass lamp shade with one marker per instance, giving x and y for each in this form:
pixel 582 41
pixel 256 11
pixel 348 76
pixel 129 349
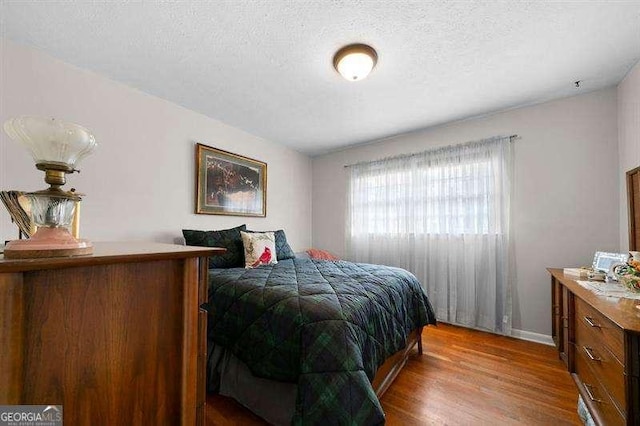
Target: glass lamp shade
pixel 355 62
pixel 51 141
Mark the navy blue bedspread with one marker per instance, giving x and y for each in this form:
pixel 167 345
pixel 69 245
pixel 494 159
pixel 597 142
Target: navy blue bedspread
pixel 324 325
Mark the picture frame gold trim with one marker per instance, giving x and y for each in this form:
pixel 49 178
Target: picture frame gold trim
pixel 229 184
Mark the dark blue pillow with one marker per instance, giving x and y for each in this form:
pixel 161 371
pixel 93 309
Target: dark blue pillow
pixel 227 238
pixel 283 250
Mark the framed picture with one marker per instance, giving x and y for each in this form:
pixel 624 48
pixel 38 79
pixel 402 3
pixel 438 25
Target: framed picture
pixel 602 261
pixel 229 184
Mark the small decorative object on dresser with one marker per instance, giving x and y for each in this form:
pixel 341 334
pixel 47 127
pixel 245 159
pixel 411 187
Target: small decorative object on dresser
pixel 57 149
pixel 629 274
pixel 229 184
pixel 14 202
pixel 116 337
pixel 599 341
pixel 602 261
pixel 581 272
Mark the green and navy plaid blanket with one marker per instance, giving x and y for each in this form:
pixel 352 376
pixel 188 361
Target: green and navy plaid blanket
pixel 326 326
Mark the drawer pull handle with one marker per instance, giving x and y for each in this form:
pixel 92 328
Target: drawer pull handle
pixel 587 388
pixel 589 352
pixel 591 322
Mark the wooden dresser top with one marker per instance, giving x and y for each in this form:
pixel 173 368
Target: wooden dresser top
pixel 621 311
pixel 111 252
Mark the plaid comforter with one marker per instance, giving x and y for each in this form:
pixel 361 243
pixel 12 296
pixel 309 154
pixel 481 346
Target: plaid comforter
pixel 326 326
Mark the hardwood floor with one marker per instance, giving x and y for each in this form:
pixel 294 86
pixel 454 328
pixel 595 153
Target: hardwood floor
pixel 465 377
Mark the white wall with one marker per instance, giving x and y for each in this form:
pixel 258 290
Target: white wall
pixel 139 183
pixel 566 188
pixel 628 142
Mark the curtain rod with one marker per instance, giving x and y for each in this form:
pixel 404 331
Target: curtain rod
pixel 511 139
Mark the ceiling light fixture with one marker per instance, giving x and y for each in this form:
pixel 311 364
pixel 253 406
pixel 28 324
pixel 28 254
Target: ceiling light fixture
pixel 355 61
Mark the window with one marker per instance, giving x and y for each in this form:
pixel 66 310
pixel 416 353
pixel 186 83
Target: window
pixel 444 216
pixel 423 200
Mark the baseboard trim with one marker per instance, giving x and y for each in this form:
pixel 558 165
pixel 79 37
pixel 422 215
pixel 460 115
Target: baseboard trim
pixel 532 337
pixel 515 333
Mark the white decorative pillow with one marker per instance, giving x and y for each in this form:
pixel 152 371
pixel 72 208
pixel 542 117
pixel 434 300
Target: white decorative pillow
pixel 259 248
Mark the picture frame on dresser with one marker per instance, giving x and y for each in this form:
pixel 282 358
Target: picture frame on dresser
pixel 229 184
pixel 602 261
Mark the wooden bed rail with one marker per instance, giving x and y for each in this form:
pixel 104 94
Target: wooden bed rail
pixel 388 371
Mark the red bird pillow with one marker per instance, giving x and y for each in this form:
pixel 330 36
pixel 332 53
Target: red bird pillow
pixel 259 248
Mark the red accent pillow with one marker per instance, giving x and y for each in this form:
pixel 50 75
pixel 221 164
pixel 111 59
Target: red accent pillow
pixel 321 254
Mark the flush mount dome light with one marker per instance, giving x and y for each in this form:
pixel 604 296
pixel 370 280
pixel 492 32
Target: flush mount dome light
pixel 355 62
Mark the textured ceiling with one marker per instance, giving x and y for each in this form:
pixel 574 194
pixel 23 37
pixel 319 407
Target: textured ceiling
pixel 266 66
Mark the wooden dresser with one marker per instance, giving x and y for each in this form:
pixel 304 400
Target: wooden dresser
pixel 117 337
pixel 599 340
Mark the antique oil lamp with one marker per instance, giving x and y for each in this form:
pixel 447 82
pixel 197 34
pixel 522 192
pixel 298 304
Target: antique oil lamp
pixel 57 148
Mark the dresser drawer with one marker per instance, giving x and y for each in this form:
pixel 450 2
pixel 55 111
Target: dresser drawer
pixel 606 368
pixel 605 330
pixel 595 394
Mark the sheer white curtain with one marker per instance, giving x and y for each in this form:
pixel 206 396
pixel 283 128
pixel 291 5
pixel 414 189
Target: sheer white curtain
pixel 443 215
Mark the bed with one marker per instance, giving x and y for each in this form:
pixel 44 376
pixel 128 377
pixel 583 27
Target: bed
pixel 309 341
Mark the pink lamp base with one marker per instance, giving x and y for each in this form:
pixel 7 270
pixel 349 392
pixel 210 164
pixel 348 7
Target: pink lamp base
pixel 48 242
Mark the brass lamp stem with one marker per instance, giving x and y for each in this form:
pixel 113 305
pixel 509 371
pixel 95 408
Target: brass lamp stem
pixel 55 177
pixel 55 172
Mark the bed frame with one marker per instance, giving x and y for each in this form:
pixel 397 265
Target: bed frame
pixel 388 371
pixel 252 397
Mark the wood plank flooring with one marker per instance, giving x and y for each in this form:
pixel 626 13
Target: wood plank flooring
pixel 465 377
